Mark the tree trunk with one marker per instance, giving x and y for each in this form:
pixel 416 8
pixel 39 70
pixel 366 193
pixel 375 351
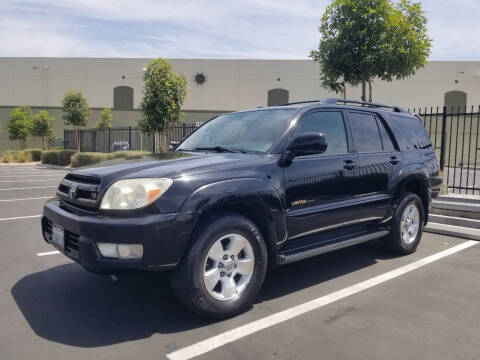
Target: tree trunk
pixel 364 90
pixel 344 91
pixel 21 144
pixel 370 91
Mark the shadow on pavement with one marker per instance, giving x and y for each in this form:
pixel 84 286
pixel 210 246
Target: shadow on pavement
pixel 68 305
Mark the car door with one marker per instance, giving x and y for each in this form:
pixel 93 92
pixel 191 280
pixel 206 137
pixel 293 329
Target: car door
pixel 379 159
pixel 319 188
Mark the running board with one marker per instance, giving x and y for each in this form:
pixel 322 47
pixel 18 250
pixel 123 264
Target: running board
pixel 329 246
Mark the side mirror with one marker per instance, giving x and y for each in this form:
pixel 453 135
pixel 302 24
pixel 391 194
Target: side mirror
pixel 309 144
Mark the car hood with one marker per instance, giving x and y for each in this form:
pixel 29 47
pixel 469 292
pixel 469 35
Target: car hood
pixel 187 166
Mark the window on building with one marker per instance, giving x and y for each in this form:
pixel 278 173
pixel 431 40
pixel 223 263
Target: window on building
pixel 123 98
pixel 455 100
pixel 277 97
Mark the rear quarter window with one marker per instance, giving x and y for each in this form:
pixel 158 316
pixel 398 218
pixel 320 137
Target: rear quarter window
pixel 414 132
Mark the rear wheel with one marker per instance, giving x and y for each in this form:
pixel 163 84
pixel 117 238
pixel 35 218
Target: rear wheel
pixel 223 271
pixel 407 225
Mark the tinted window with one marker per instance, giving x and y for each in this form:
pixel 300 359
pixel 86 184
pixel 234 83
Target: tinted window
pixel 414 131
pixel 329 123
pixel 386 139
pixel 365 133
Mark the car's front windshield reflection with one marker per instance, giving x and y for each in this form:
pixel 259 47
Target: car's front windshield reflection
pixel 249 131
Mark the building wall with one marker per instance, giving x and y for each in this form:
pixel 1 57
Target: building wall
pixel 230 85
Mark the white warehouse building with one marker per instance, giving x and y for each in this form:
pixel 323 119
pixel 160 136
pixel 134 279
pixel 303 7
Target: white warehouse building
pixel 214 86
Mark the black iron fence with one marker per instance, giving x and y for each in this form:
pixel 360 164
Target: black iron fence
pixel 454 133
pixel 125 138
pixel 455 136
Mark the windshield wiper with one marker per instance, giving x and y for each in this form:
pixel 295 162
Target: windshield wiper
pixel 218 149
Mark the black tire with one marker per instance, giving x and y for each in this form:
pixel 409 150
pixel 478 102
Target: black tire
pixel 394 240
pixel 187 279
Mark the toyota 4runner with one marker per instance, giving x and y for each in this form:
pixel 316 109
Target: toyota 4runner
pixel 255 189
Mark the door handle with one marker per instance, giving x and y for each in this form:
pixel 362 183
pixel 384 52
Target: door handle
pixel 394 160
pixel 349 164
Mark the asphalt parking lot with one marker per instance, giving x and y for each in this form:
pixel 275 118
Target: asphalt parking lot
pixel 357 303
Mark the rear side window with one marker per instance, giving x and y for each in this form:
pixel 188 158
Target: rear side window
pixel 386 139
pixel 365 132
pixel 414 131
pixel 329 123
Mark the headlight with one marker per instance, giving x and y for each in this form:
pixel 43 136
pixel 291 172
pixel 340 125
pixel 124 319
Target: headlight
pixel 131 194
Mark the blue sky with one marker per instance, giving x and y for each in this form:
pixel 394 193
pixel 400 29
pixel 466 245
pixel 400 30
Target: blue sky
pixel 245 29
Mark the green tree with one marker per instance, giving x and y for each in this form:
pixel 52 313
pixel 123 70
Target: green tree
pixel 163 96
pixel 364 40
pixel 105 120
pixel 20 125
pixel 43 126
pixel 75 112
pixel 75 109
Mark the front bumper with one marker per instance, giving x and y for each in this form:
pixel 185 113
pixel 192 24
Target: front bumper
pixel 163 236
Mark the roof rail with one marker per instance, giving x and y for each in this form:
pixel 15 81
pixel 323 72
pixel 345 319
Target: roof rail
pixel 363 103
pixel 301 102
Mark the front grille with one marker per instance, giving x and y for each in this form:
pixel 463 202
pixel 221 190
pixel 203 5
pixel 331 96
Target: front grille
pixel 85 196
pixel 47 229
pixel 72 248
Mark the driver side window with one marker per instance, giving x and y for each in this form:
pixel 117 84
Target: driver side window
pixel 329 123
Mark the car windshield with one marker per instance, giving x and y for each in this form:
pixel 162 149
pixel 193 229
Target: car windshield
pixel 249 131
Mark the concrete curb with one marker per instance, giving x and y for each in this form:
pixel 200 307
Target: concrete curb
pixel 452 230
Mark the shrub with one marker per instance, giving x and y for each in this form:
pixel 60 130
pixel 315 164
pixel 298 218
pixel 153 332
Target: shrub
pixel 6 159
pixel 65 156
pixel 34 154
pixel 90 158
pixel 17 156
pixel 50 157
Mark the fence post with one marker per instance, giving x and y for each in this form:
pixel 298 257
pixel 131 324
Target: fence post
pixel 153 142
pixel 109 141
pixel 129 138
pixel 443 143
pixel 184 130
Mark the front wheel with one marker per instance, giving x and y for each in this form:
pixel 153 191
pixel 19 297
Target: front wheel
pixel 407 225
pixel 223 271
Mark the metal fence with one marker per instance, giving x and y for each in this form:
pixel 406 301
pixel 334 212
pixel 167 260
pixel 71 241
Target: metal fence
pixel 454 133
pixel 455 136
pixel 125 138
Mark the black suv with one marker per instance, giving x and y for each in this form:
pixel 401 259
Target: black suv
pixel 255 189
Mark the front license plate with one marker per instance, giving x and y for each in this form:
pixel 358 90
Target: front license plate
pixel 58 238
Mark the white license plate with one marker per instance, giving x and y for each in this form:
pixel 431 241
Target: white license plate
pixel 58 238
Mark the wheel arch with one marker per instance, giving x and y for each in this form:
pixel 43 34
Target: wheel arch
pixel 253 198
pixel 414 181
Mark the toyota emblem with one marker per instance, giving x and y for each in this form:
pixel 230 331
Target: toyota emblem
pixel 72 192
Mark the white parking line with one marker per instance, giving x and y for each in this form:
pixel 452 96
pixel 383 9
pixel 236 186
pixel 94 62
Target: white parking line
pixel 214 342
pixel 30 180
pixel 21 217
pixel 27 188
pixel 34 198
pixel 48 253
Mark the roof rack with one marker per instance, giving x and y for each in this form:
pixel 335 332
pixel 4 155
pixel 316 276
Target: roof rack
pixel 363 103
pixel 348 102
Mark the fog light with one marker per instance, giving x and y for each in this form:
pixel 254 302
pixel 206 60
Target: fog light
pixel 133 251
pixel 121 251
